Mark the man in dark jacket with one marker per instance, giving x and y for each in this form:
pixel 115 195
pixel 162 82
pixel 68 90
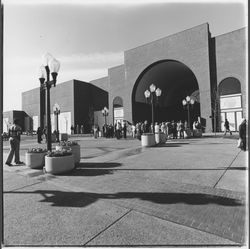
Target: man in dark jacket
pixel 226 127
pixel 14 137
pixel 242 133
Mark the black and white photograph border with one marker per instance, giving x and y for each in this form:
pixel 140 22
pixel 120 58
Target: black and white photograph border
pixel 124 124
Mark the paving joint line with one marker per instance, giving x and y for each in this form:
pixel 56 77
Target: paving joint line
pixel 106 228
pixel 176 222
pixel 226 169
pixel 6 192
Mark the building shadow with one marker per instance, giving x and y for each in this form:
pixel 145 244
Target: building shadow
pixel 83 199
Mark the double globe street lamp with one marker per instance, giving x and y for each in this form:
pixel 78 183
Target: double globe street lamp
pixel 150 96
pixel 50 65
pixel 105 113
pixel 187 102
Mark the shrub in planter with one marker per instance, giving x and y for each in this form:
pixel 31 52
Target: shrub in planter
pixel 35 158
pixel 63 136
pixel 188 133
pixel 74 146
pixel 57 162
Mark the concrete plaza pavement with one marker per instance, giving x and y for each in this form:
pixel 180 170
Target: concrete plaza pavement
pixel 185 192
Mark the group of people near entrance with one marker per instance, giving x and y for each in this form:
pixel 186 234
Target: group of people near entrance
pixel 118 130
pixel 174 129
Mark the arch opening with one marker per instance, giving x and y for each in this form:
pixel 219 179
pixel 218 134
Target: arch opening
pixel 176 81
pixel 230 103
pixel 118 111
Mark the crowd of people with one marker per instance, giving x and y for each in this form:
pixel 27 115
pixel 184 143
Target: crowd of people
pixel 118 130
pixel 173 129
pixel 121 129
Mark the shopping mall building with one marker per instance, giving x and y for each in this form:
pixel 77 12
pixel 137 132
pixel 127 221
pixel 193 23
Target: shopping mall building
pixel 212 70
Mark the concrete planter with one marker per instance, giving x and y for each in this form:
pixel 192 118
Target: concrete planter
pixel 148 140
pixel 59 165
pixel 76 151
pixel 188 133
pixel 197 133
pixel 63 137
pixel 35 160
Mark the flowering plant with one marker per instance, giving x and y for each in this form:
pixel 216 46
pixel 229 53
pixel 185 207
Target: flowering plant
pixel 67 143
pixel 36 150
pixel 59 153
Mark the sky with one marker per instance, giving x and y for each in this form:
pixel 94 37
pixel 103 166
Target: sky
pixel 88 37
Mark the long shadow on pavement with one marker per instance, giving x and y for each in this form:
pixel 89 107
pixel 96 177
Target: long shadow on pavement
pixel 98 165
pixel 89 172
pixel 82 199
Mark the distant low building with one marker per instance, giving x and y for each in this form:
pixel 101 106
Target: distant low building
pixel 76 100
pixel 23 120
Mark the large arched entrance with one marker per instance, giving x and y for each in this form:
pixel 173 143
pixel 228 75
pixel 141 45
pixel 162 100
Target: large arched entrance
pixel 176 81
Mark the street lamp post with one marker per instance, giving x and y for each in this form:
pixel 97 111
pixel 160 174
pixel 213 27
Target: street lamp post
pixel 105 113
pixel 150 95
pixel 50 65
pixel 187 102
pixel 42 107
pixel 56 110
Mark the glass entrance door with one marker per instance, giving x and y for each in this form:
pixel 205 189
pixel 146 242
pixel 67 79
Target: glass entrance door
pixel 234 119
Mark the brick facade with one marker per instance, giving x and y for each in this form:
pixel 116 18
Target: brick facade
pixel 210 59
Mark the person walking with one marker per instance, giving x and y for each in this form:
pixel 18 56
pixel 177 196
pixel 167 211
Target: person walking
pixel 180 129
pixel 82 129
pixel 226 127
pixel 72 129
pixel 124 129
pixel 45 133
pixel 133 130
pixel 39 134
pixel 14 138
pixel 157 128
pixel 242 134
pixel 138 128
pixel 174 127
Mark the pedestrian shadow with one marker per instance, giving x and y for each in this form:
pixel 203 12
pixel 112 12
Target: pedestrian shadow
pixel 82 199
pixel 88 172
pixel 98 165
pixel 237 168
pixel 171 144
